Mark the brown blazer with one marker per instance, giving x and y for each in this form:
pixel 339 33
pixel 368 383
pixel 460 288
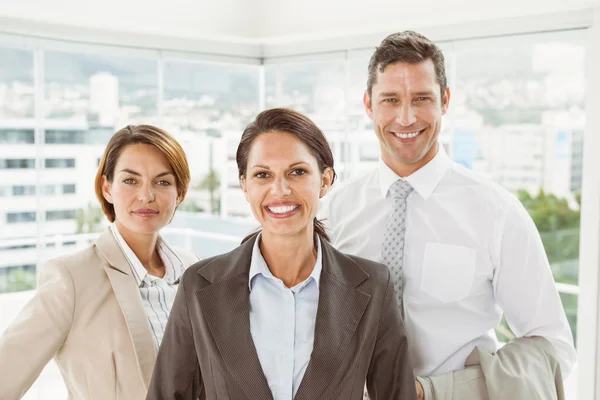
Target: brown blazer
pixel 88 314
pixel 207 351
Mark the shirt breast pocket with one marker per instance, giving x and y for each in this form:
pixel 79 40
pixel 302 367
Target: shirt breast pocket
pixel 448 271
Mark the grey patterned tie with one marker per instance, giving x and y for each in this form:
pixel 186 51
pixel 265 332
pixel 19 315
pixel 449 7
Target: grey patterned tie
pixel 392 251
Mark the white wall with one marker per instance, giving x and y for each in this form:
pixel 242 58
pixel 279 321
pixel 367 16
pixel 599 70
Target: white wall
pixel 266 21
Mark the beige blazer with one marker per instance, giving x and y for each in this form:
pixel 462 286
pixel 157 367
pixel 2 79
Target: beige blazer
pixel 88 314
pixel 525 368
pixel 208 353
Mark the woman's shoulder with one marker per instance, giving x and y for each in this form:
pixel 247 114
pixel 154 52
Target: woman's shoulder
pixel 78 265
pixel 76 259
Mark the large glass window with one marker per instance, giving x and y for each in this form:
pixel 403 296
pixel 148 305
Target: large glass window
pixel 100 89
pixel 17 164
pixel 316 89
pixel 16 84
pixel 517 117
pixel 206 106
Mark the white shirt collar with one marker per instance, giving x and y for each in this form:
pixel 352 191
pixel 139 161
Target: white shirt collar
pixel 258 265
pixel 424 180
pixel 174 267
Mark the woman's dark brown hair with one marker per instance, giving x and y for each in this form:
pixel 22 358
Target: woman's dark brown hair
pixel 285 120
pixel 145 134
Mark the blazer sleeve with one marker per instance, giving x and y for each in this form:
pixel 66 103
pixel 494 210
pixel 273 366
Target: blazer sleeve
pixel 390 374
pixel 38 332
pixel 176 374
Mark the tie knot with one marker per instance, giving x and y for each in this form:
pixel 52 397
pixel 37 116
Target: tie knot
pixel 400 189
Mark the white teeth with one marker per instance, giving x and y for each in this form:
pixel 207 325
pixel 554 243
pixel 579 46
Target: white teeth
pixel 406 135
pixel 282 209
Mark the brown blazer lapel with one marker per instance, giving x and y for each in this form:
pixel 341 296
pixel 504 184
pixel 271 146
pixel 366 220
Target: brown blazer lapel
pixel 341 307
pixel 130 302
pixel 226 307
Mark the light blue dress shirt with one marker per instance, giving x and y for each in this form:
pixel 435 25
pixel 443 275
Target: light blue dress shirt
pixel 282 324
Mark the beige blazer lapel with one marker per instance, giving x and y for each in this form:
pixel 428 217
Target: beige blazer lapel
pixel 130 302
pixel 226 307
pixel 341 307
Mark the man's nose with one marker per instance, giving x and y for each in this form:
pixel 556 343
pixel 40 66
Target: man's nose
pixel 406 115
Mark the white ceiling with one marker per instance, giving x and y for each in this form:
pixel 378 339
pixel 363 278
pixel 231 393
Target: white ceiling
pixel 270 21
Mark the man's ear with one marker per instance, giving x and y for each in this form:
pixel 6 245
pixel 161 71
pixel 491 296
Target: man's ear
pixel 106 189
pixel 367 103
pixel 446 101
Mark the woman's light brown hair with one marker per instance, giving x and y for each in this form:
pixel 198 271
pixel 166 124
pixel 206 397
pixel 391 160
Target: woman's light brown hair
pixel 141 134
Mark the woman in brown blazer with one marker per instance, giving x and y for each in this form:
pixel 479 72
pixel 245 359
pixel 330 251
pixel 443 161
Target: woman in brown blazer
pixel 101 312
pixel 285 315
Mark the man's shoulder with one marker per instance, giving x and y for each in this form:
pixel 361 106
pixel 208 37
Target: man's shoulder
pixel 484 187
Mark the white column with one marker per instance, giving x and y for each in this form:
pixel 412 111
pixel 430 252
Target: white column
pixel 160 94
pixel 588 319
pixel 39 99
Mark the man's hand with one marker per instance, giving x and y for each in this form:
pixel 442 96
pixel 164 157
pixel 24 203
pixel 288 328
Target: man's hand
pixel 420 395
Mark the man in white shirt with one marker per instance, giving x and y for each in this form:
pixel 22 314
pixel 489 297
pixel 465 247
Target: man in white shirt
pixel 470 250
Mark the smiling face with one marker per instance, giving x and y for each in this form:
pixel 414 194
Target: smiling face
pixel 143 190
pixel 283 184
pixel 406 110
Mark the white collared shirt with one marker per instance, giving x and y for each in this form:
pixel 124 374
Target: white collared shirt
pixel 157 293
pixel 282 323
pixel 471 253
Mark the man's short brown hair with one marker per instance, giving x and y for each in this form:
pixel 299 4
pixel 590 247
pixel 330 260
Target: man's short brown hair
pixel 410 47
pixel 144 134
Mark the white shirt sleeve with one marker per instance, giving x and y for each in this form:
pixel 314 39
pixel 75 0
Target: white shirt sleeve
pixel 524 287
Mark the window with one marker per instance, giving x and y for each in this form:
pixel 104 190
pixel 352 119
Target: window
pixel 17 136
pixel 28 190
pixel 16 84
pixel 316 89
pixel 68 189
pixel 201 112
pixel 20 217
pixel 105 91
pixel 49 190
pixel 16 278
pixel 64 137
pixel 60 163
pixel 18 163
pixel 518 117
pixel 60 215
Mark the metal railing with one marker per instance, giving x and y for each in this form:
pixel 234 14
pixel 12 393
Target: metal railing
pixel 58 243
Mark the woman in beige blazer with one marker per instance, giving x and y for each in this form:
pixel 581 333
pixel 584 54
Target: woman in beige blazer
pixel 101 312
